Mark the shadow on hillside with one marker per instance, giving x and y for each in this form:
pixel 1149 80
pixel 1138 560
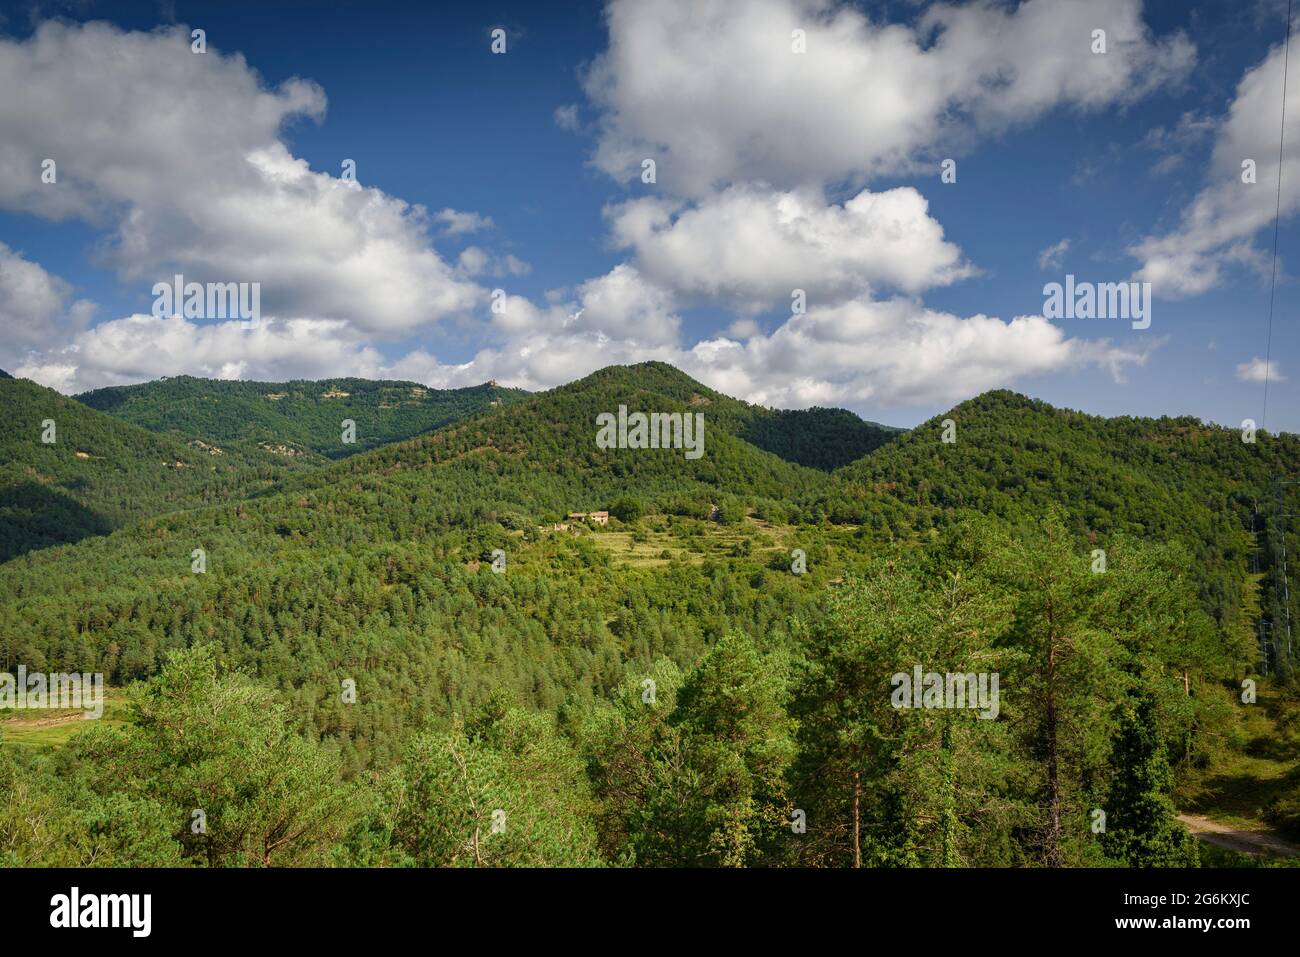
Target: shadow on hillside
pixel 35 516
pixel 823 439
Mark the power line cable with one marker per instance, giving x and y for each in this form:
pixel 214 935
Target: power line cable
pixel 1277 218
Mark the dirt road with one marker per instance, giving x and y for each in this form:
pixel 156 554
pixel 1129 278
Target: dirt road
pixel 1247 842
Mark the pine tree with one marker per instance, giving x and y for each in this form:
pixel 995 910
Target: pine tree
pixel 1142 828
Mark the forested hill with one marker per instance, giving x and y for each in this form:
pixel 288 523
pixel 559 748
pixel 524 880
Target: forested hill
pixel 433 507
pixel 67 471
pixel 244 436
pixel 299 415
pixel 5 375
pixel 1167 479
pixel 383 551
pixel 818 438
pixel 540 457
pixel 381 570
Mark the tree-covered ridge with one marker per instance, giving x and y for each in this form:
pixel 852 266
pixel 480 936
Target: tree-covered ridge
pixel 538 460
pixel 300 415
pixel 410 524
pixel 475 485
pixel 819 438
pixel 98 473
pixel 771 687
pixel 1166 479
pixel 5 375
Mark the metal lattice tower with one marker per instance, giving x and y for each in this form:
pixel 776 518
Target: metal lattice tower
pixel 1281 577
pixel 1264 628
pixel 1254 537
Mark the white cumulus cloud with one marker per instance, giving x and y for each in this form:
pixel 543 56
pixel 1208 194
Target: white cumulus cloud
pixel 180 157
pixel 140 348
pixel 1259 370
pixel 712 90
pixel 752 245
pixel 35 307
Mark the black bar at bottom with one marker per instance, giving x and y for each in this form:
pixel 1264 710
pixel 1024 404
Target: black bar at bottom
pixel 534 907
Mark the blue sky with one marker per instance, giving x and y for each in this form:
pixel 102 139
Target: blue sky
pixel 1053 143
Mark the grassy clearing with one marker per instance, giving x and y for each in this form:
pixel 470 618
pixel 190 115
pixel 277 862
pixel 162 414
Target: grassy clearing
pixel 53 728
pixel 655 543
pixel 1240 784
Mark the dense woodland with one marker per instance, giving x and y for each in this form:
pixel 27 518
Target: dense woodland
pixel 664 691
pixel 98 474
pixel 301 415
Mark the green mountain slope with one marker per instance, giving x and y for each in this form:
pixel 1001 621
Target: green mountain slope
pixel 382 551
pixel 99 474
pixel 1167 479
pixel 540 457
pixel 817 437
pixel 375 574
pixel 377 568
pixel 299 415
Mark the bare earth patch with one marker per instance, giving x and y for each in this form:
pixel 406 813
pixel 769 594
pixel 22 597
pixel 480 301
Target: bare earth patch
pixel 46 722
pixel 1234 839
